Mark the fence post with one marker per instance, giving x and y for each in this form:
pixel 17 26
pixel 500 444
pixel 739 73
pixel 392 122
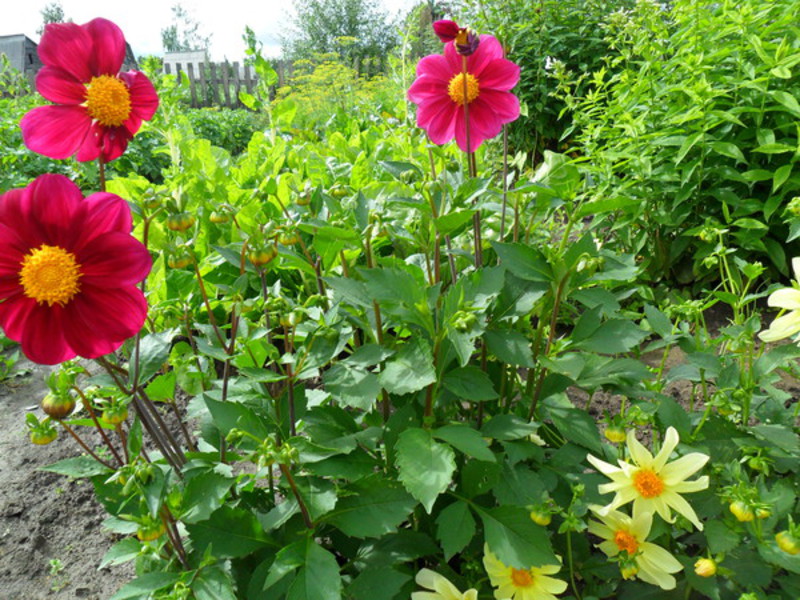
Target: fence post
pixel 237 82
pixel 225 67
pixel 190 71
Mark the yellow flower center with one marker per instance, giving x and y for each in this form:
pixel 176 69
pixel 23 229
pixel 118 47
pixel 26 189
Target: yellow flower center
pixel 625 541
pixel 455 89
pixel 648 483
pixel 521 577
pixel 50 274
pixel 108 100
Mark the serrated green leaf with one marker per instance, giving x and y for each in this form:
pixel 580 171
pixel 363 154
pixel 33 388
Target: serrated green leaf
pixel 144 585
pixel 469 383
pixel 212 583
pixel 78 466
pixel 516 540
pixel 318 578
pixel 781 175
pixel 231 532
pixel 377 583
pixel 370 507
pixel 410 370
pixel 467 440
pixel 425 466
pixel 509 346
pixel 455 528
pixel 204 494
pixel 507 427
pixel 523 261
pixel 788 101
pixel 720 538
pixel 123 551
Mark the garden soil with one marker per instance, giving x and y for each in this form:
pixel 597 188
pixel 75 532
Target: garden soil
pixel 51 534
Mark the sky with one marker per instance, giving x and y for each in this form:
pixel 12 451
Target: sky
pixel 142 20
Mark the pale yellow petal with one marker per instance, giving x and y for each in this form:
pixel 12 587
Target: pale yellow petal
pixel 427 578
pixel 788 298
pixel 601 465
pixel 782 327
pixel 655 577
pixel 608 548
pixel 640 526
pixel 683 468
pixel 546 570
pixel 671 440
pixel 639 454
pixel 683 507
pixel 685 487
pixel 425 596
pixel 600 530
pixel 660 558
pixel 471 594
pixel 551 585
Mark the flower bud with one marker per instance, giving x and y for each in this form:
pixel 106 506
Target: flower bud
pixel 629 571
pixel 615 435
pixel 43 437
pixel 541 517
pixel 741 511
pixel 262 256
pixel 705 567
pixel 58 407
pixel 180 221
pixel 787 542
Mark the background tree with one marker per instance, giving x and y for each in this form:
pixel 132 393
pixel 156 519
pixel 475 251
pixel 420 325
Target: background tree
pixel 184 33
pixel 417 28
pixel 52 13
pixel 357 30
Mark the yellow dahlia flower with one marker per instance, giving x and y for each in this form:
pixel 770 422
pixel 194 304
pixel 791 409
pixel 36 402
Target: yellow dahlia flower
pixel 650 482
pixel 622 532
pixel 787 298
pixel 441 588
pixel 522 584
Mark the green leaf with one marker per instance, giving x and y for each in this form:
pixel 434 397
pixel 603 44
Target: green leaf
pixel 204 494
pixel 659 322
pixel 121 552
pixel 398 168
pixel 610 337
pixel 509 346
pixel 672 414
pixel 212 583
pixel 469 383
pixel 451 222
pixel 351 386
pixel 231 532
pixel 143 586
pixel 410 370
pixel 516 540
pixel 720 537
pixel 377 583
pixel 370 507
pixel 728 149
pixel 425 467
pixel 774 148
pixel 78 467
pixel 781 175
pixel 318 578
pixel 523 261
pixel 455 528
pixel 153 353
pixel 788 101
pixel 575 425
pixel 467 440
pixel 507 427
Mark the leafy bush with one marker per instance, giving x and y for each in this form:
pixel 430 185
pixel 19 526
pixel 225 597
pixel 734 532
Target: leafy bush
pixel 226 128
pixel 690 134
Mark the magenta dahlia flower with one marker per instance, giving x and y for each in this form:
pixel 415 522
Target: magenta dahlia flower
pixel 439 93
pixel 98 109
pixel 68 271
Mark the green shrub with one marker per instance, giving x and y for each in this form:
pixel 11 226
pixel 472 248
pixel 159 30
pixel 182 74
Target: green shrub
pixel 692 141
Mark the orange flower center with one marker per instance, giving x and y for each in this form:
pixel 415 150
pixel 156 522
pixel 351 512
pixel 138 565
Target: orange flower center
pixel 648 483
pixel 521 577
pixel 455 89
pixel 625 541
pixel 108 100
pixel 50 274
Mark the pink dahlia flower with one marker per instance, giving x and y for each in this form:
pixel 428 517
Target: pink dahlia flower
pixel 439 93
pixel 98 109
pixel 68 271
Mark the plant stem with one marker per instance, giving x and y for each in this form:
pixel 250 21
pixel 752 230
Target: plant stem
pixel 303 509
pixel 85 447
pixel 571 566
pixel 87 405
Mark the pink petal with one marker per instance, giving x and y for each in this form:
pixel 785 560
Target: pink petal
pixel 488 50
pixel 426 89
pixel 14 313
pixel 445 30
pixel 16 219
pixel 483 120
pixel 43 337
pixel 505 104
pixel 499 74
pixel 105 212
pixel 12 250
pixel 92 144
pixel 437 67
pixel 59 86
pixel 115 142
pixel 54 202
pixel 442 124
pixel 454 60
pixel 69 47
pixel 430 109
pixel 144 99
pixel 114 259
pixel 9 285
pixel 108 47
pixel 475 135
pixel 100 320
pixel 55 131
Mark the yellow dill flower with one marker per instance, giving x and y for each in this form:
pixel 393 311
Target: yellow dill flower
pixel 522 584
pixel 623 533
pixel 441 588
pixel 789 299
pixel 650 482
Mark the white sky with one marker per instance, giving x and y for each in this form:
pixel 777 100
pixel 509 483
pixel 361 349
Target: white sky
pixel 142 20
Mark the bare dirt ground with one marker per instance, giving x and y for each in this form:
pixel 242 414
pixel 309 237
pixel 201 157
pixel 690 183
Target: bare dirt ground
pixel 51 538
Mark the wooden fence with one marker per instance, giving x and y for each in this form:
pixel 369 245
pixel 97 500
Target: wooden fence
pixel 219 84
